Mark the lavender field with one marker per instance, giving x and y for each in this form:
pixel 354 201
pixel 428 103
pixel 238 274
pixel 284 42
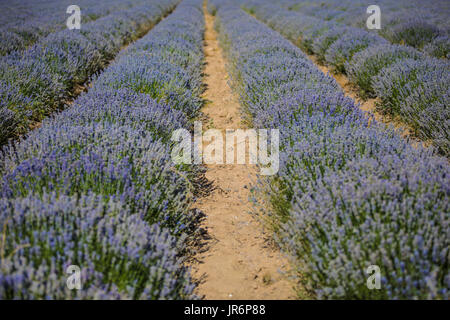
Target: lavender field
pixel 357 208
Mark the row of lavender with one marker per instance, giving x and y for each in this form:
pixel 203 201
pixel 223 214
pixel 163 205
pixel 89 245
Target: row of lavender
pixel 422 26
pixel 39 80
pixel 349 194
pixel 95 185
pixel 25 22
pixel 410 85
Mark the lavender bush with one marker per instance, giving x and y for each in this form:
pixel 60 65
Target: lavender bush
pixel 9 42
pixel 342 50
pixel 25 22
pixel 366 64
pixel 7 123
pixel 417 90
pixel 39 80
pixel 415 32
pixel 121 256
pixel 323 42
pixel 350 192
pixel 406 22
pixel 337 45
pixel 439 47
pixel 95 185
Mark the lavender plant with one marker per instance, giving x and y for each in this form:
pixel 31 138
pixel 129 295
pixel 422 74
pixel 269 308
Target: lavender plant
pixel 121 256
pixel 323 42
pixel 415 32
pixel 343 49
pixel 405 22
pixel 350 192
pixel 366 64
pixel 95 186
pixel 439 47
pixel 417 90
pixel 25 22
pixel 337 45
pixel 8 121
pixel 38 81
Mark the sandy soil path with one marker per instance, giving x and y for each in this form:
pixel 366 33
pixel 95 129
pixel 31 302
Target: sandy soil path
pixel 239 261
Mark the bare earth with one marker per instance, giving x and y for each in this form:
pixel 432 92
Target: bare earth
pixel 240 261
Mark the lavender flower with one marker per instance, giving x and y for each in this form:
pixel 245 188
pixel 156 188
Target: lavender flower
pixel 95 186
pixel 350 192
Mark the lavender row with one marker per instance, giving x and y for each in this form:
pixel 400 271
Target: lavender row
pixel 40 80
pixel 424 27
pixel 409 84
pixel 95 186
pixel 121 255
pixel 350 192
pixel 25 22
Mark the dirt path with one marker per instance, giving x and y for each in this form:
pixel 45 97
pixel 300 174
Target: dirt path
pixel 240 262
